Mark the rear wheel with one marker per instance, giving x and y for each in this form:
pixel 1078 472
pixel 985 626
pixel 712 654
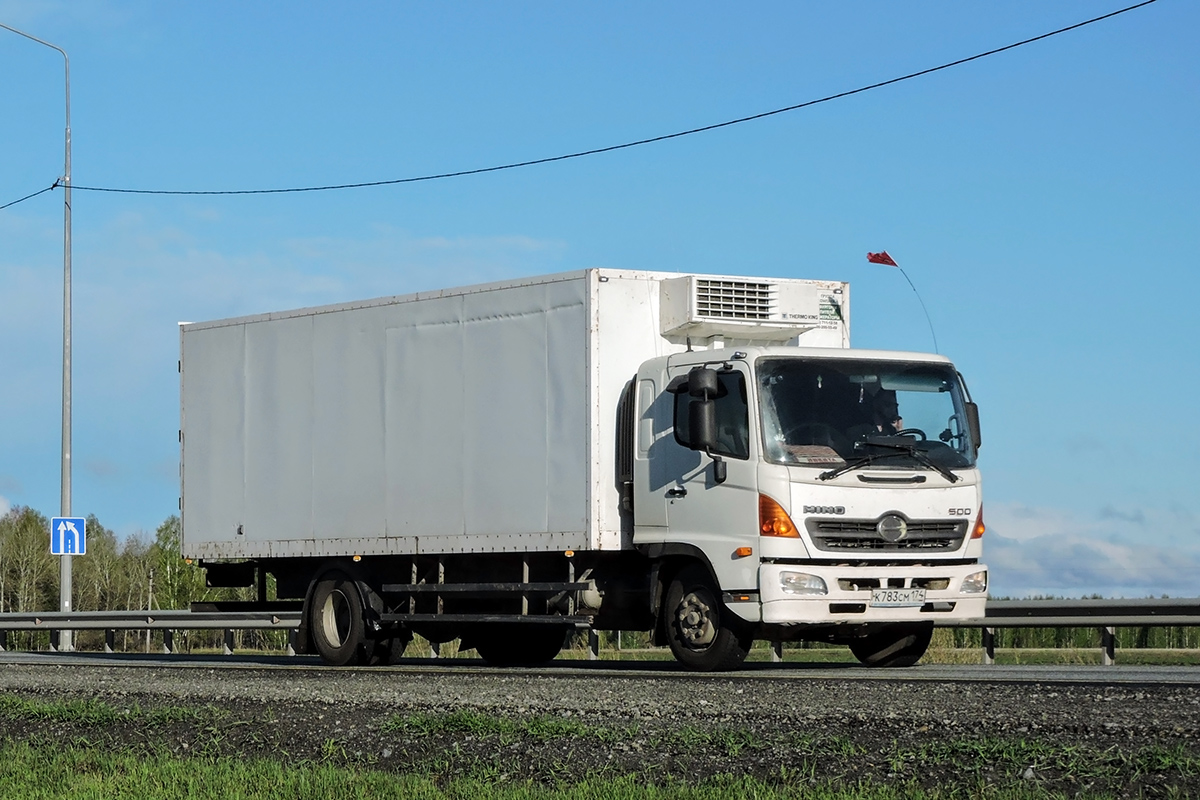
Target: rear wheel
pixel 389 647
pixel 898 645
pixel 702 634
pixel 335 621
pixel 509 645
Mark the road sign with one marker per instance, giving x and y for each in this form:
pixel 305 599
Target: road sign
pixel 68 536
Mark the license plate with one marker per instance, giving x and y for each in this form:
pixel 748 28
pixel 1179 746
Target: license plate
pixel 897 598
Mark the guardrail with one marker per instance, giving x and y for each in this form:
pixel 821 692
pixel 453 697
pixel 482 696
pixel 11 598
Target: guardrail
pixel 1106 615
pixel 166 621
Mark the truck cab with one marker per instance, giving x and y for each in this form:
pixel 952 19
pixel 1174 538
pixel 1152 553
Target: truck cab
pixel 808 493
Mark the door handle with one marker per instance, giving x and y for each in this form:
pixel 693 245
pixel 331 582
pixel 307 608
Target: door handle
pixel 678 491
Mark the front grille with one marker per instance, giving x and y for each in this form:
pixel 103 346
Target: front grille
pixel 861 534
pixel 734 300
pixel 859 584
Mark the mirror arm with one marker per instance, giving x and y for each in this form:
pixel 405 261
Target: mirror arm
pixel 720 468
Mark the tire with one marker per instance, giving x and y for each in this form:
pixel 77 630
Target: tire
pixel 900 645
pixel 335 621
pixel 513 645
pixel 700 631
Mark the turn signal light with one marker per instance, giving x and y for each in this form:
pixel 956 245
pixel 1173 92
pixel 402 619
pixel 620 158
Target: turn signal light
pixel 742 552
pixel 773 520
pixel 979 528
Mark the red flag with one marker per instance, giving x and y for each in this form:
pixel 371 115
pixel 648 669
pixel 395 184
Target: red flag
pixel 881 258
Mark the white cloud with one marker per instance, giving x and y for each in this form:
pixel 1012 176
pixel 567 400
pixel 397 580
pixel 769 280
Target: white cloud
pixel 5 506
pixel 1113 552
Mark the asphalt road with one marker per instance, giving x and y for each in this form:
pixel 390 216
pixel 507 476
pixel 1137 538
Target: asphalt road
pixel 940 673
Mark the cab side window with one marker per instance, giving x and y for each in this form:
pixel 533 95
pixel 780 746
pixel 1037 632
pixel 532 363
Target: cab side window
pixel 733 417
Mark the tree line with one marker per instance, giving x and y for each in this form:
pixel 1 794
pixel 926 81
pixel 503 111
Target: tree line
pixel 137 572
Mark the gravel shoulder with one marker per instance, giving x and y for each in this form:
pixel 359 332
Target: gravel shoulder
pixel 1114 739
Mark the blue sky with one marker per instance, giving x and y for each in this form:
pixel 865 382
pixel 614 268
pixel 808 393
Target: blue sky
pixel 1042 200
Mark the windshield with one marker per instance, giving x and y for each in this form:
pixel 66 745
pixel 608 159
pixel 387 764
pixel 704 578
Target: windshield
pixel 829 412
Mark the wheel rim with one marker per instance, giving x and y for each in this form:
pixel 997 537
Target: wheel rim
pixel 335 618
pixel 696 620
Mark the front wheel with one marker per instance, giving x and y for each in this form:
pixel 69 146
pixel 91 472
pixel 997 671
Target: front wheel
pixel 893 645
pixel 700 630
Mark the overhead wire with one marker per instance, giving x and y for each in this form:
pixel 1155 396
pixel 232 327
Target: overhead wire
pixel 30 196
pixel 612 148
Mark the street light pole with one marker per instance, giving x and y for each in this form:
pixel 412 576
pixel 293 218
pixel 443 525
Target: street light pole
pixel 64 638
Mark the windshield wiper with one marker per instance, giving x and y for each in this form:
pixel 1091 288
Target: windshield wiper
pixel 852 465
pixel 910 448
pixel 898 449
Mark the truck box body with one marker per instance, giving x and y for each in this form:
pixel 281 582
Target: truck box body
pixel 469 420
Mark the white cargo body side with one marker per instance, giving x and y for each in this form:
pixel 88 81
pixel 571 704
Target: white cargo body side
pixel 451 422
pixel 477 420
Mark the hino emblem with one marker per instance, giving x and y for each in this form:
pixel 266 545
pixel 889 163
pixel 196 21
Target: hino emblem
pixel 824 509
pixel 892 528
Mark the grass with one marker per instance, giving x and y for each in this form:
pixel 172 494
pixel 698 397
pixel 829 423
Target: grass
pixel 731 742
pixel 82 773
pixel 96 712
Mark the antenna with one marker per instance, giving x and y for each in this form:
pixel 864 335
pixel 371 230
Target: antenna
pixel 885 259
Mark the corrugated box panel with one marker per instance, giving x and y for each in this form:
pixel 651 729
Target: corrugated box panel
pixel 445 424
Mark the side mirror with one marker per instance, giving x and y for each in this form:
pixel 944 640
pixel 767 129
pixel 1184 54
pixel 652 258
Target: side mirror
pixel 702 424
pixel 703 386
pixel 973 422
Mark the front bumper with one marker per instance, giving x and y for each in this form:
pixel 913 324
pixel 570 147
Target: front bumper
pixel 848 597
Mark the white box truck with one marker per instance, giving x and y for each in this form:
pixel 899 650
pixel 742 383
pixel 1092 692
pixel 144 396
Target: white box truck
pixel 702 457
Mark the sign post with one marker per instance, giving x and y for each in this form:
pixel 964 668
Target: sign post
pixel 65 567
pixel 68 537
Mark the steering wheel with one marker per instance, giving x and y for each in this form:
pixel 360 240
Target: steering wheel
pixel 912 432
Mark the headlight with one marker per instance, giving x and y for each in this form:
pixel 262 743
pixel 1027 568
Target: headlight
pixel 975 583
pixel 802 583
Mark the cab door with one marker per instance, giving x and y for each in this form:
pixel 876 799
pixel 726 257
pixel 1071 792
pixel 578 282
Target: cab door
pixel 717 517
pixel 653 468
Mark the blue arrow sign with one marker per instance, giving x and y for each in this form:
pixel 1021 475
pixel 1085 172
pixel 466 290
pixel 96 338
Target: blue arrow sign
pixel 68 536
